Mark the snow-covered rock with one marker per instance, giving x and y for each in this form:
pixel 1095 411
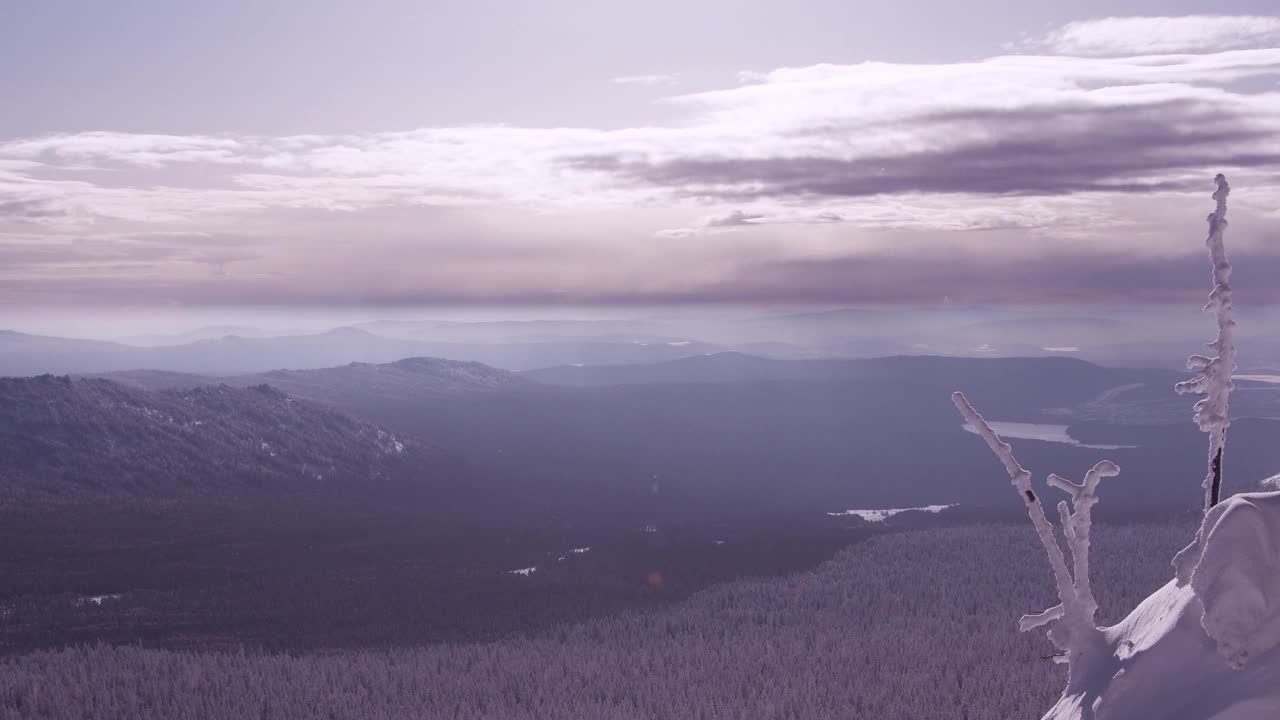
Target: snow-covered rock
pixel 1206 646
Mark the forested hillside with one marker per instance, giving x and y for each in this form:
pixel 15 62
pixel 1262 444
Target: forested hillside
pixel 72 438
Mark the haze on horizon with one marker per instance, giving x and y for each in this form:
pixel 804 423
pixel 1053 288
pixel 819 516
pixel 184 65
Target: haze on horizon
pixel 358 160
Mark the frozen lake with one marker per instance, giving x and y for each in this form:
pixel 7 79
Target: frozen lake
pixel 1040 431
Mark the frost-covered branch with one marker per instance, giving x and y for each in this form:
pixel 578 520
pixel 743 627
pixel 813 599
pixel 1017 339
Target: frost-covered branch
pixel 1077 524
pixel 1076 633
pixel 1214 378
pixel 1031 621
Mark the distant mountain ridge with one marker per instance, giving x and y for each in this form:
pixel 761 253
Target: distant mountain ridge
pixel 908 370
pixel 24 355
pixel 416 379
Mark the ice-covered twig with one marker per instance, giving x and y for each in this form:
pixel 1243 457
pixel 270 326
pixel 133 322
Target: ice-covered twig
pixel 1214 378
pixel 1074 612
pixel 1031 621
pixel 1073 630
pixel 1077 524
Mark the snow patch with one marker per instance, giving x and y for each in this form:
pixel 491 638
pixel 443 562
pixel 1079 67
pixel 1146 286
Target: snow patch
pixel 389 444
pixel 574 551
pixel 526 572
pixel 96 599
pixel 884 514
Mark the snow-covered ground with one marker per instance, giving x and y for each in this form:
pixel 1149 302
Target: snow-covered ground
pixel 97 599
pixel 1206 646
pixel 882 514
pixel 574 551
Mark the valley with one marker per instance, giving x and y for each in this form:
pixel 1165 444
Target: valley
pixel 427 500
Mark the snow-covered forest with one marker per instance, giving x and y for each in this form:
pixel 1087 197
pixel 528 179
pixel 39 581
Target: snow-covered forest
pixel 915 625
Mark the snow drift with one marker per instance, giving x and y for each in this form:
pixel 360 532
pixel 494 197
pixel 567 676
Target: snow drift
pixel 1206 646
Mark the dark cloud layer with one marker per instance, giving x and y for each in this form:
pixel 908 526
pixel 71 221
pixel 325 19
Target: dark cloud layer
pixel 29 210
pixel 1031 151
pixel 1057 278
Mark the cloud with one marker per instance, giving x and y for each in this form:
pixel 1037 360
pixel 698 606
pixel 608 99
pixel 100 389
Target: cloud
pixel 930 276
pixel 147 258
pixel 648 80
pixel 740 218
pixel 29 210
pixel 129 148
pixel 807 184
pixel 1160 35
pixel 1039 126
pixel 191 246
pixel 313 257
pixel 734 219
pixel 1034 151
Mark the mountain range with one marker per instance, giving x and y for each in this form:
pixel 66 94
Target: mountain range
pixel 22 354
pixel 729 430
pixel 696 436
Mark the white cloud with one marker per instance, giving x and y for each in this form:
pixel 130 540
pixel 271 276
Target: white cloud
pixel 1021 125
pixel 1160 35
pixel 734 219
pixel 132 148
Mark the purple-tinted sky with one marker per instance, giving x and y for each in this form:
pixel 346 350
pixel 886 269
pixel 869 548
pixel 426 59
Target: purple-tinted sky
pixel 324 154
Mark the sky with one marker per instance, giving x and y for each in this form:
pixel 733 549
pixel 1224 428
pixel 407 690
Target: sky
pixel 314 154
